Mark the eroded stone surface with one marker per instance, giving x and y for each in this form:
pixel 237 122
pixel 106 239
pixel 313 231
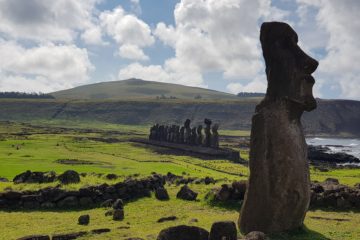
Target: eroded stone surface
pixel 278 151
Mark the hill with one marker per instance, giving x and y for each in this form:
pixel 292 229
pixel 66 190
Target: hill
pixel 332 117
pixel 136 88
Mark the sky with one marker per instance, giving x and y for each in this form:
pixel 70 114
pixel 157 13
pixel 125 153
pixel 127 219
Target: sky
pixel 47 46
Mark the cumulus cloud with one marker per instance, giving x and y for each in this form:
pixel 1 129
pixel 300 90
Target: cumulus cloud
pixel 256 85
pixel 44 68
pixel 170 73
pixel 93 36
pixel 218 36
pixel 136 7
pixel 41 20
pixel 131 33
pixel 340 64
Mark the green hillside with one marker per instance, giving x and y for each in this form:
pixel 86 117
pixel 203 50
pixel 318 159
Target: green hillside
pixel 136 88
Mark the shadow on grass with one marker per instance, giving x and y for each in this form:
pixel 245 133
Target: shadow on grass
pixel 303 233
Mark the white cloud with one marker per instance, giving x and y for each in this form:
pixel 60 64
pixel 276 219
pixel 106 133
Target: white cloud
pixel 136 7
pixel 42 20
pixel 45 68
pixel 169 74
pixel 218 36
pixel 133 52
pixel 258 85
pixel 127 29
pixel 342 57
pixel 93 36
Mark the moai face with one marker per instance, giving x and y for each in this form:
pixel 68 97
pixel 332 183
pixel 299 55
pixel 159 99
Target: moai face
pixel 199 129
pixel 288 68
pixel 187 123
pixel 215 128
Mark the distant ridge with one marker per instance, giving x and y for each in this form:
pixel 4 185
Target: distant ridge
pixel 137 88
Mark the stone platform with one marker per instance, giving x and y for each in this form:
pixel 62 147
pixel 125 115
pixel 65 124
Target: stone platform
pixel 223 153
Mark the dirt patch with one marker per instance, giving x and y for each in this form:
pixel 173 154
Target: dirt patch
pixel 331 219
pixel 78 162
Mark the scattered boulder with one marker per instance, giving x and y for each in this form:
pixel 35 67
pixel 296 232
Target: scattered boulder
pixel 68 236
pixel 69 176
pixel 109 213
pixel 223 230
pixel 165 219
pixel 84 219
pixel 255 235
pixel 231 192
pixel 118 215
pixel 161 194
pixel 111 176
pixel 209 180
pixel 332 181
pixel 118 204
pixel 2 179
pixel 35 177
pixel 183 232
pixel 186 193
pixel 100 230
pixel 35 237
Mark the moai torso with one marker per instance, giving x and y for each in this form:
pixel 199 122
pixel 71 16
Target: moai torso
pixel 199 139
pixel 215 136
pixel 278 192
pixel 207 130
pixel 187 131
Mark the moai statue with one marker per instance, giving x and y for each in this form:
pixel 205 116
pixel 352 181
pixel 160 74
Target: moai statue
pixel 182 132
pixel 193 136
pixel 166 133
pixel 278 193
pixel 215 136
pixel 161 133
pixel 207 140
pixel 172 133
pixel 152 133
pixel 187 131
pixel 157 134
pixel 177 134
pixel 199 137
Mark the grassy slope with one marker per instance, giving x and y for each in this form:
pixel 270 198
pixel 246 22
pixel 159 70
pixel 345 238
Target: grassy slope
pixel 135 88
pixel 41 149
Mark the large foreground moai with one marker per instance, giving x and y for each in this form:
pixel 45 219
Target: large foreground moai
pixel 278 193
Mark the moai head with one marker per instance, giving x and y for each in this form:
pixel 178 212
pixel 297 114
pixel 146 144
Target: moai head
pixel 207 122
pixel 187 123
pixel 215 128
pixel 199 129
pixel 288 68
pixel 193 131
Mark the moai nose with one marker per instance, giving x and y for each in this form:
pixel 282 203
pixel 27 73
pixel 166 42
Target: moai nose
pixel 310 65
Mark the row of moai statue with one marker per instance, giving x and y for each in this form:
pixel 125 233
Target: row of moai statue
pixel 186 134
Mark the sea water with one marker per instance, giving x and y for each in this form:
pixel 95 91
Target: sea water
pixel 347 145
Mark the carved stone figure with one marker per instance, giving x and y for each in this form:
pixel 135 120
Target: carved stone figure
pixel 207 130
pixel 215 136
pixel 187 131
pixel 182 137
pixel 193 136
pixel 200 136
pixel 278 194
pixel 177 134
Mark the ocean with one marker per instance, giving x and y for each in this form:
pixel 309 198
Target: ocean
pixel 347 145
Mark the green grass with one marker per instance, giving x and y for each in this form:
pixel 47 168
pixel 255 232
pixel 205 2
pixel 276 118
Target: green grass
pixel 44 144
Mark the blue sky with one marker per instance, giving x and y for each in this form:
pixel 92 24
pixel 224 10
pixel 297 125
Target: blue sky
pixel 52 45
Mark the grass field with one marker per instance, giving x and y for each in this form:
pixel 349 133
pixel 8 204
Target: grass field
pixel 39 146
